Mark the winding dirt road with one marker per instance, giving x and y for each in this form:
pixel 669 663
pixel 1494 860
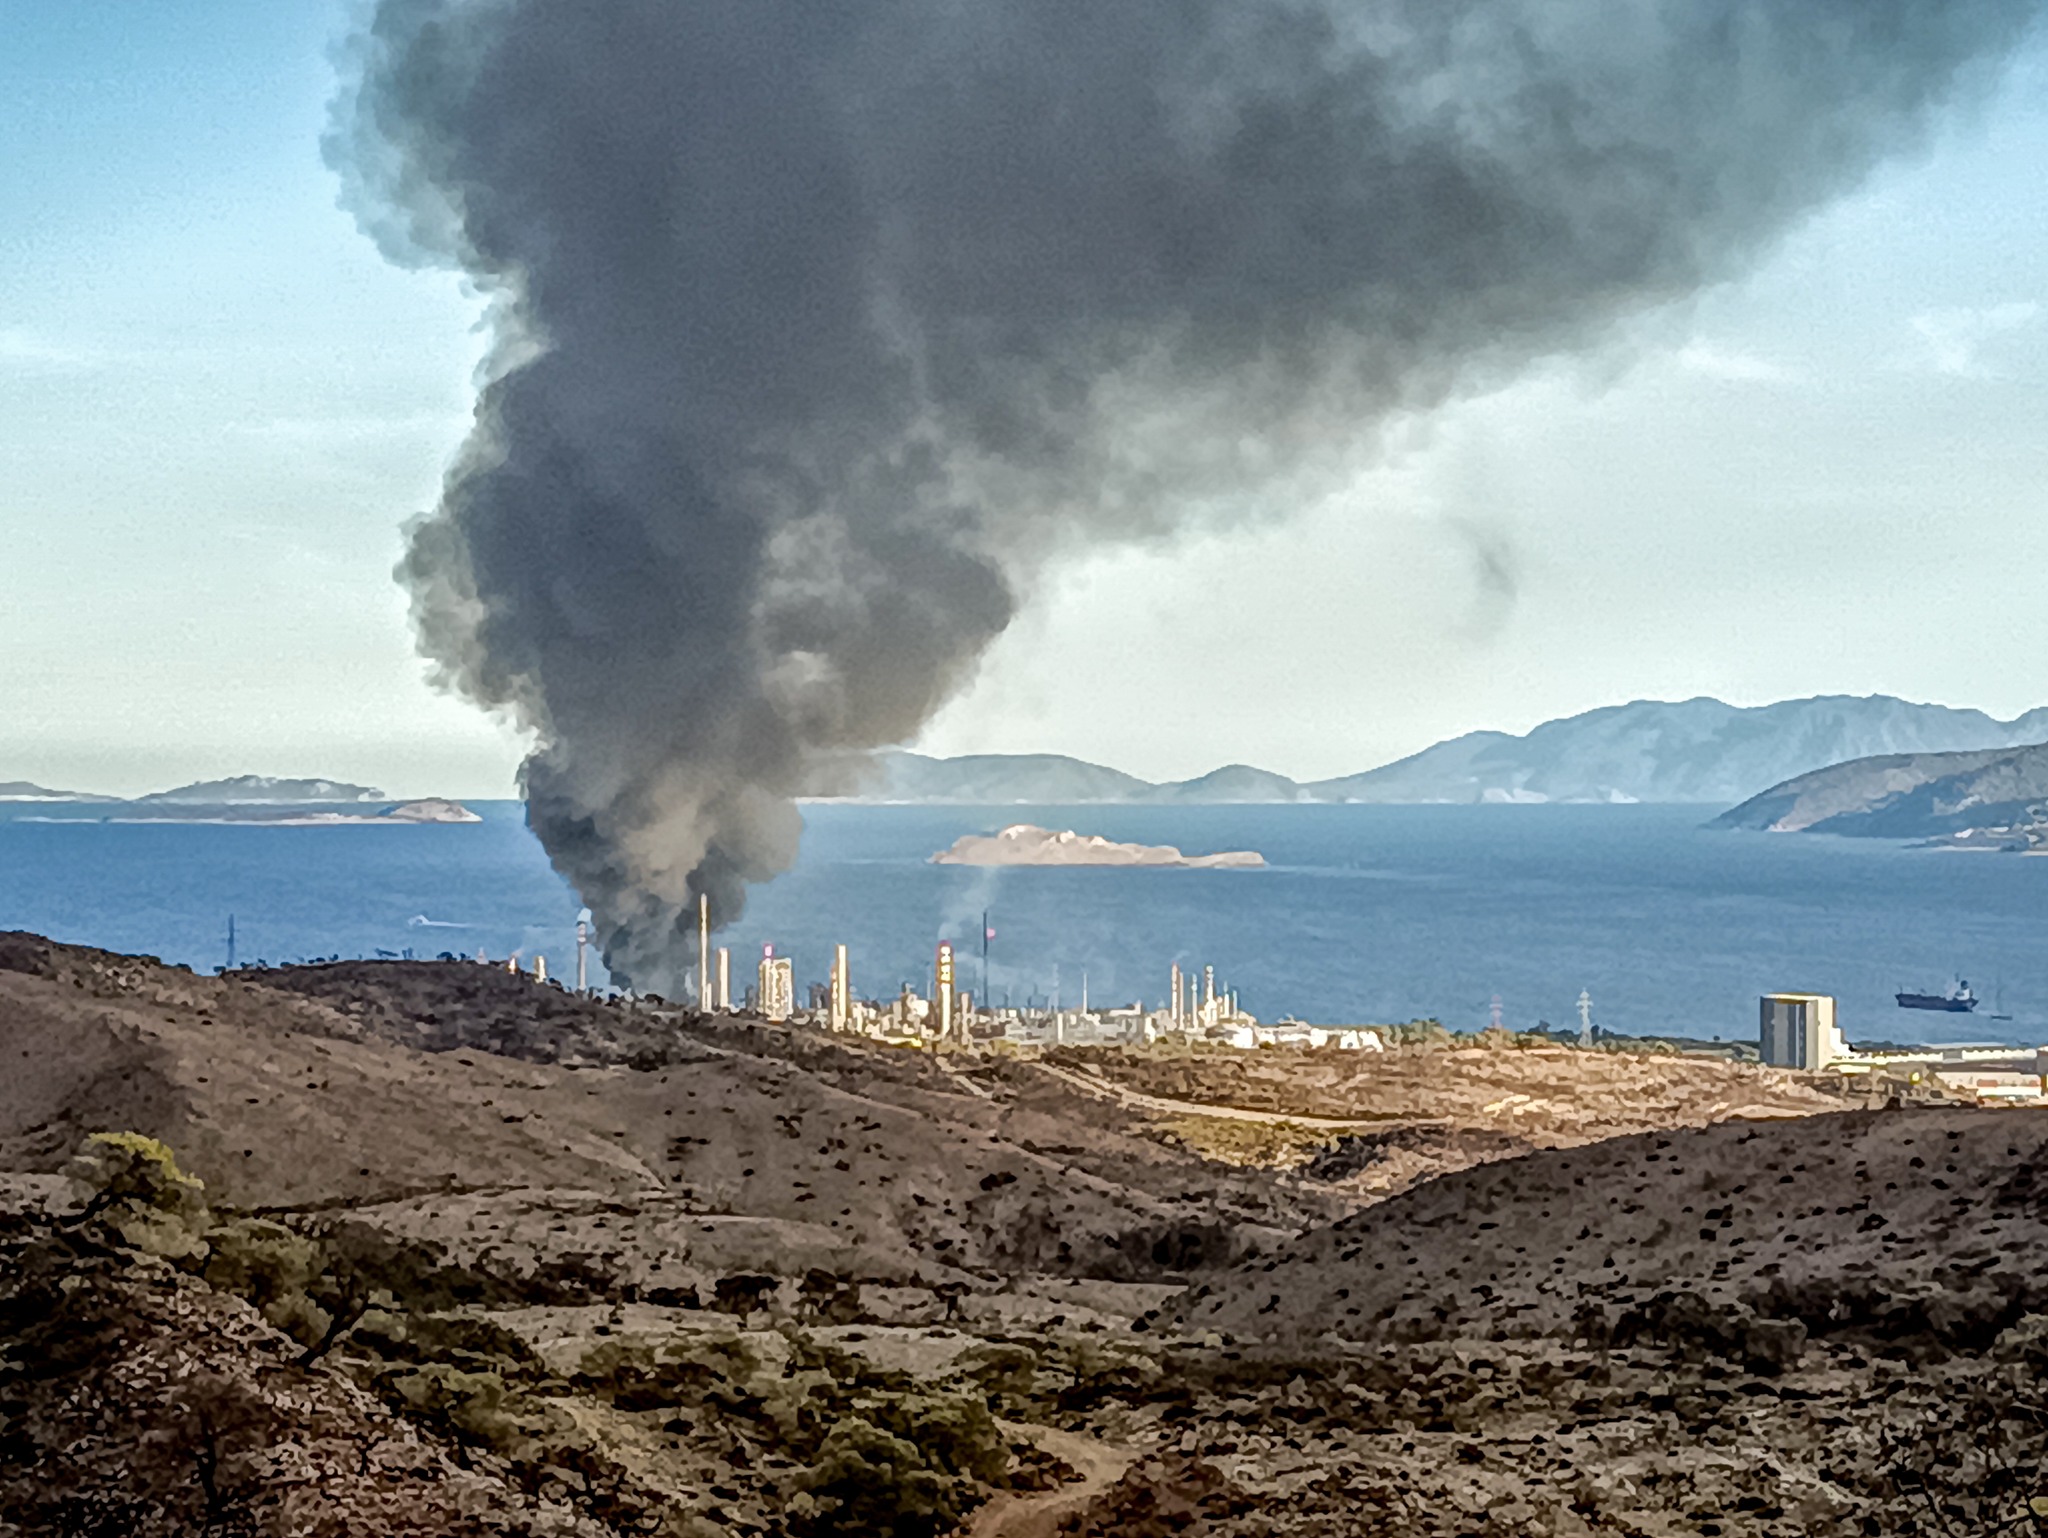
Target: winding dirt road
pixel 1100 1465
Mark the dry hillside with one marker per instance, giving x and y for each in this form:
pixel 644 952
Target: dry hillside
pixel 477 1256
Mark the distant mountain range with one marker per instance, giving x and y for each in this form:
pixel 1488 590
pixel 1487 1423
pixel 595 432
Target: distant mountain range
pixel 1700 751
pixel 1988 798
pixel 240 790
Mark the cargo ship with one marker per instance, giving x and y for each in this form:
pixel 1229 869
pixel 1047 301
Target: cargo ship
pixel 1959 1000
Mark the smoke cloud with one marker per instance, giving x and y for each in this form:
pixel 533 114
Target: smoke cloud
pixel 819 327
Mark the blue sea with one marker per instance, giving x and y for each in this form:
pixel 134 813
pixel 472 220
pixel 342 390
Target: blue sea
pixel 1363 914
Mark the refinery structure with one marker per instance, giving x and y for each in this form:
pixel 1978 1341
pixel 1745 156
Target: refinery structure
pixel 1197 1007
pixel 1796 1031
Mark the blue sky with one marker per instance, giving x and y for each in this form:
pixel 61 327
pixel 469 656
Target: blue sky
pixel 218 406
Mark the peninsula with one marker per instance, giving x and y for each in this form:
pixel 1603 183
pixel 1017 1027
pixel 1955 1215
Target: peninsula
pixel 1987 799
pixel 307 814
pixel 1024 844
pixel 245 798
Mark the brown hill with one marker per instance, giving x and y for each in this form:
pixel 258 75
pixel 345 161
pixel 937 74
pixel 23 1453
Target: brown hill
pixel 1365 1125
pixel 434 1006
pixel 1550 1095
pixel 1874 1221
pixel 875 1160
pixel 631 1270
pixel 278 1099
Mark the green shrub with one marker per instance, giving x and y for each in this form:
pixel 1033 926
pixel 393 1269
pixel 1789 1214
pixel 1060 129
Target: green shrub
pixel 131 1184
pixel 317 1285
pixel 273 1268
pixel 867 1483
pixel 1416 1034
pixel 1007 1370
pixel 955 1433
pixel 475 1405
pixel 689 1369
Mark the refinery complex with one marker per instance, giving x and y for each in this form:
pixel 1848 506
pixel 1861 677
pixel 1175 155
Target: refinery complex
pixel 1798 1031
pixel 1197 1008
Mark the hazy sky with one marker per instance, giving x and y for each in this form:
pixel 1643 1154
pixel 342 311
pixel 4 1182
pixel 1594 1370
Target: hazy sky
pixel 218 405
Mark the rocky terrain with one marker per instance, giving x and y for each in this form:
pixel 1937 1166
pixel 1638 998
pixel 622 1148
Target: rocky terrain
pixel 382 1248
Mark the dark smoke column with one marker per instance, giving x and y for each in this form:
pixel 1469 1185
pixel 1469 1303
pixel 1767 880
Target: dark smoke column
pixel 820 325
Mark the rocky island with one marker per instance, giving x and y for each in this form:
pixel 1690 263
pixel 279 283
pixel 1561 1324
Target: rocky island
pixel 311 814
pixel 1025 844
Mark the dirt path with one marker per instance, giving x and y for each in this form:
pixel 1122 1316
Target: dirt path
pixel 1100 1465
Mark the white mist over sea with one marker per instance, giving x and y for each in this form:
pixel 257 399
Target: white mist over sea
pixel 1365 913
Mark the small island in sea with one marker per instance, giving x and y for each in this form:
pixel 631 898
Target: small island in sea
pixel 1025 844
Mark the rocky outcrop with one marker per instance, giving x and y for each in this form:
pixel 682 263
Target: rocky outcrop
pixel 432 809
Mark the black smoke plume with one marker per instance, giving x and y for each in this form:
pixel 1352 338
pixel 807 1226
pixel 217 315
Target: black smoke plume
pixel 821 322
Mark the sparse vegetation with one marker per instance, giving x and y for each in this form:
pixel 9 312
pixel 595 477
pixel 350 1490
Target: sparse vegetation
pixel 872 1297
pixel 907 1467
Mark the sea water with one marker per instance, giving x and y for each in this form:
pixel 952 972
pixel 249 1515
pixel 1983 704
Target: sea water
pixel 1362 913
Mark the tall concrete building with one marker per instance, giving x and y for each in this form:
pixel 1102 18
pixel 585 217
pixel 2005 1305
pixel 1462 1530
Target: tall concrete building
pixel 842 995
pixel 1797 1030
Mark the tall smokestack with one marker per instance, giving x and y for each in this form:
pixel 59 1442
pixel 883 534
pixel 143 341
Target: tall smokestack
pixel 841 992
pixel 820 328
pixel 942 992
pixel 704 953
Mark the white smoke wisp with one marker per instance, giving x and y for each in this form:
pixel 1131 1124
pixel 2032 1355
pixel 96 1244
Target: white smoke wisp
pixel 820 326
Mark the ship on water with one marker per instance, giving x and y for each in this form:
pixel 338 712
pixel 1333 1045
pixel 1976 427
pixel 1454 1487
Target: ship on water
pixel 1959 1000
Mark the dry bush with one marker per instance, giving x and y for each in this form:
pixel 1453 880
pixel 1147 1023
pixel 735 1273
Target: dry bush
pixel 1970 1463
